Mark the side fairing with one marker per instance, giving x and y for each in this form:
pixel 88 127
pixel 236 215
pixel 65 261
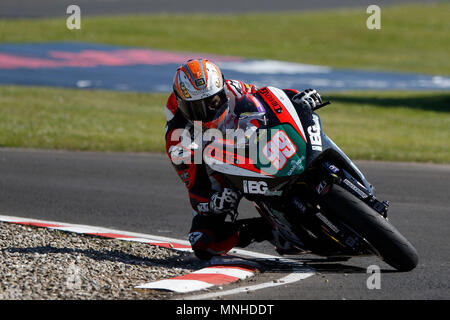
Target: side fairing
pixel 282 152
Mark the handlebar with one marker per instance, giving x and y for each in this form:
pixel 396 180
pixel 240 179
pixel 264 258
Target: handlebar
pixel 321 105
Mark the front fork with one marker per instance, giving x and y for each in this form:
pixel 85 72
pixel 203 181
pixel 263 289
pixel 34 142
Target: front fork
pixel 348 182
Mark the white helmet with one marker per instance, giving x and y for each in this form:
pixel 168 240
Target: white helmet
pixel 200 91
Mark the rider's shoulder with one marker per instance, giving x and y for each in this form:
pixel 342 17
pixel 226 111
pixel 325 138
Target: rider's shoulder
pixel 235 87
pixel 238 87
pixel 171 107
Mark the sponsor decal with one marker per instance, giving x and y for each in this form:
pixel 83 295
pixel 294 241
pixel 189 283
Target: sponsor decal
pixel 322 188
pixel 271 100
pixel 185 176
pixel 327 222
pixel 279 149
pixel 194 236
pixel 333 168
pixel 199 82
pixel 278 193
pixel 296 165
pixel 184 90
pixel 254 187
pixel 278 101
pixel 361 193
pixel 203 207
pixel 314 134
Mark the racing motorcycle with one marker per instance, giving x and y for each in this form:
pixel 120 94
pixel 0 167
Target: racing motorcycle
pixel 303 183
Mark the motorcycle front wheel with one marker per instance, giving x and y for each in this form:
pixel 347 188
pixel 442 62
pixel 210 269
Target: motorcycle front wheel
pixel 391 245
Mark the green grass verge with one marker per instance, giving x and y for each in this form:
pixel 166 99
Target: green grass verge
pixel 398 126
pixel 367 125
pixel 412 38
pixel 54 118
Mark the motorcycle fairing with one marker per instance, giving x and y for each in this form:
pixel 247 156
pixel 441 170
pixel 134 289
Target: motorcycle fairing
pixel 280 105
pixel 277 150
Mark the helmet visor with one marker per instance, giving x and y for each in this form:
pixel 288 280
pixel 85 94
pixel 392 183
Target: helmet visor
pixel 204 109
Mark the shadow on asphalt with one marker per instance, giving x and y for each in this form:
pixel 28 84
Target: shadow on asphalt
pixel 320 265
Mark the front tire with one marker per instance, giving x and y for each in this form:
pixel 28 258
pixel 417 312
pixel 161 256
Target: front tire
pixel 392 246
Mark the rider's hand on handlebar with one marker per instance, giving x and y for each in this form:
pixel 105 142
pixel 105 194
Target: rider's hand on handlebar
pixel 309 98
pixel 224 202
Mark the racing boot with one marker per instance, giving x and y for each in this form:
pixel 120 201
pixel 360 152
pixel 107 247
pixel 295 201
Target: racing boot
pixel 253 230
pixel 258 230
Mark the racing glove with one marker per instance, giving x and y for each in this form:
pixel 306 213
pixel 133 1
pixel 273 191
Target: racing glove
pixel 309 98
pixel 224 202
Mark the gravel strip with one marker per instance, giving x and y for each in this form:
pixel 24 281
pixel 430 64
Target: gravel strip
pixel 40 263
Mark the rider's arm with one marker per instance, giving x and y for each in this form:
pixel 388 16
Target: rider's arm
pixel 291 92
pixel 193 175
pixel 204 197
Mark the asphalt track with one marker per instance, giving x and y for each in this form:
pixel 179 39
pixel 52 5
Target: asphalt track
pixel 52 8
pixel 142 193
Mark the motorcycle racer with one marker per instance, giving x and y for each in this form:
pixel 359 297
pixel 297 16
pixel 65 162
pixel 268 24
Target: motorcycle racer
pixel 199 93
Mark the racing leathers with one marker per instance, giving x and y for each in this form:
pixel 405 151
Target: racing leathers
pixel 210 234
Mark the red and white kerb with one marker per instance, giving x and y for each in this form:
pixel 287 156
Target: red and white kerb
pixel 201 279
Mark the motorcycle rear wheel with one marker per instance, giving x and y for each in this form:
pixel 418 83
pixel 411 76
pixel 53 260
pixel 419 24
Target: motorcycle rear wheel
pixel 391 245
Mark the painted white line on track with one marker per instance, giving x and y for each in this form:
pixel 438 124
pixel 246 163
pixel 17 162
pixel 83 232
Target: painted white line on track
pixel 295 276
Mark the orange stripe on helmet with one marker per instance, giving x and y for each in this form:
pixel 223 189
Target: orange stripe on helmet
pixel 188 75
pixel 197 69
pixel 204 69
pixel 194 67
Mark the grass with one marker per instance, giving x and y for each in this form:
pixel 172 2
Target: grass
pixel 398 126
pixel 53 118
pixel 412 37
pixel 401 126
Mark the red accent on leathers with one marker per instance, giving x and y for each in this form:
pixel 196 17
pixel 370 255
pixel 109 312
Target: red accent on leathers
pixel 210 235
pixel 194 175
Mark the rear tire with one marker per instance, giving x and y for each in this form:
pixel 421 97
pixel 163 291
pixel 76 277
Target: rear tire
pixel 392 246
